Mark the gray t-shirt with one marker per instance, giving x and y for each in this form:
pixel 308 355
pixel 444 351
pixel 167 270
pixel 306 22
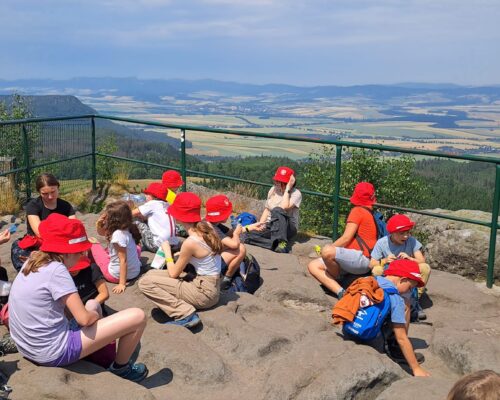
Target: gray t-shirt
pixel 274 200
pixel 36 312
pixel 385 247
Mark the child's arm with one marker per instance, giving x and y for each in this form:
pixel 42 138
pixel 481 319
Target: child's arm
pixel 34 221
pixel 102 289
pixel 176 268
pixel 4 236
pixel 417 256
pixel 349 232
pixel 233 242
pixel 407 350
pixel 264 216
pixel 100 225
pixel 122 257
pixel 75 306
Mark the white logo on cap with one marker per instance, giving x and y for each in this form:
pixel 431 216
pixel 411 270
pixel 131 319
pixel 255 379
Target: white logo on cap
pixel 283 172
pixel 77 240
pixel 214 213
pixel 416 275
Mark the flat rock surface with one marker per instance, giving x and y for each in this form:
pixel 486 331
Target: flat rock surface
pixel 279 344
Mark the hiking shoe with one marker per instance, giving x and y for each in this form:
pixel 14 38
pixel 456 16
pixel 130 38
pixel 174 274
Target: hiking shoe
pixel 282 247
pixel 225 283
pixel 340 294
pixel 132 372
pixel 394 352
pixel 189 322
pixel 7 345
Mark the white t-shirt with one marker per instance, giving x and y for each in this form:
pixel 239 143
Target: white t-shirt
pixel 123 238
pixel 161 224
pixel 274 200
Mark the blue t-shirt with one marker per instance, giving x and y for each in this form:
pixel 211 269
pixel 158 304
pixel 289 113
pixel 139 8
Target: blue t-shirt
pixel 385 247
pixel 397 302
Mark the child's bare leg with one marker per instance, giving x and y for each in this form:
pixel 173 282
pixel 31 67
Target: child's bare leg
pixel 325 275
pixel 233 259
pixel 127 326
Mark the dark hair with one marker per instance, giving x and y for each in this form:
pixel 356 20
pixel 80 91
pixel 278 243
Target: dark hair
pixel 480 385
pixel 119 216
pixel 209 236
pixel 45 179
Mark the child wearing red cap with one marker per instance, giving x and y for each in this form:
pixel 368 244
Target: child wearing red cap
pixel 89 281
pixel 44 289
pixel 404 275
pixel 281 214
pixel 159 226
pixel 172 181
pixel 175 296
pixel 399 244
pixel 120 262
pixel 350 253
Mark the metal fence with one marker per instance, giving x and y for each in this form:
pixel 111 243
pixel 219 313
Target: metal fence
pixel 70 147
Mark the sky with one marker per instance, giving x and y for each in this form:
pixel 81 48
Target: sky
pixel 299 42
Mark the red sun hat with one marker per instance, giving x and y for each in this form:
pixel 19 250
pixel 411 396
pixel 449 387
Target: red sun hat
pixel 219 208
pixel 405 269
pixel 83 262
pixel 399 223
pixel 171 179
pixel 186 208
pixel 63 235
pixel 363 194
pixel 157 190
pixel 283 174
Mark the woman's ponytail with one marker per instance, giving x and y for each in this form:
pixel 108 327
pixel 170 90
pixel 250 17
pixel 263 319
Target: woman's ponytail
pixel 209 236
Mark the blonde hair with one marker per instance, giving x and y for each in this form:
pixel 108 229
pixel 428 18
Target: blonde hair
pixel 39 259
pixel 209 236
pixel 480 385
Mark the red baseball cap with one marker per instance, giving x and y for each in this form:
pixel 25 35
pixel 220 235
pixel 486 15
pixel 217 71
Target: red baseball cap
pixel 363 194
pixel 219 208
pixel 64 235
pixel 399 223
pixel 405 269
pixel 186 207
pixel 157 190
pixel 283 174
pixel 83 262
pixel 172 179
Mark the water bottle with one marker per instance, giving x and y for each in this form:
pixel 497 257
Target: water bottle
pixel 159 259
pixel 4 292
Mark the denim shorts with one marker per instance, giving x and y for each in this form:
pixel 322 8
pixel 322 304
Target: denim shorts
pixel 352 261
pixel 71 353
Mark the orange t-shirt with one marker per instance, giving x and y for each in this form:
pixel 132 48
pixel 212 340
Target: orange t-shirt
pixel 367 229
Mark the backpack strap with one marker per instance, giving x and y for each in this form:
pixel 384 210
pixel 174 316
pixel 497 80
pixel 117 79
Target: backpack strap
pixel 361 243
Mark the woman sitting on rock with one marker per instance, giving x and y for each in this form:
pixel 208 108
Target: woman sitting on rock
pixel 171 290
pixel 38 210
pixel 281 214
pixel 44 289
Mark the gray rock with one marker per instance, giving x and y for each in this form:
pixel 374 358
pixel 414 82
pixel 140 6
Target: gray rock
pixel 411 389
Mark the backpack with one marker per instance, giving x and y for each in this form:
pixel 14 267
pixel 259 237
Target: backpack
pixel 248 278
pixel 380 226
pixel 244 219
pixel 368 321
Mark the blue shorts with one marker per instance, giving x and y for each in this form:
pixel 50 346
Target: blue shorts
pixel 71 353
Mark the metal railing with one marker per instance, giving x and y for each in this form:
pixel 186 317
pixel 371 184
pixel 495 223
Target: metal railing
pixel 29 166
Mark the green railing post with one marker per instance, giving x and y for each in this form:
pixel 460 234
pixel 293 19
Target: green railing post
pixel 27 162
pixel 336 194
pixel 94 161
pixel 493 231
pixel 183 158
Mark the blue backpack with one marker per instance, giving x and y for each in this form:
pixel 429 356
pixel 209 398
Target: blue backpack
pixel 368 321
pixel 380 225
pixel 243 219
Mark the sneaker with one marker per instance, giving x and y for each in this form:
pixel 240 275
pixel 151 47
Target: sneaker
pixel 282 247
pixel 395 353
pixel 225 283
pixel 7 345
pixel 132 372
pixel 189 322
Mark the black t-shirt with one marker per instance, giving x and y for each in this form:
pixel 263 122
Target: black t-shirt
pixel 221 230
pixel 36 207
pixel 85 282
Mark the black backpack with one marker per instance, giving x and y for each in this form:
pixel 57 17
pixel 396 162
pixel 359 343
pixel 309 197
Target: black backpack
pixel 248 278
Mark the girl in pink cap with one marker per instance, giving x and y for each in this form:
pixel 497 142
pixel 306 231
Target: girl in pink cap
pixel 44 289
pixel 171 290
pixel 281 215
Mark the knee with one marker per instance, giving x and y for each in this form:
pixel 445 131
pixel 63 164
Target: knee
pixel 329 252
pixel 144 283
pixel 314 266
pixel 243 250
pixel 138 316
pixel 378 270
pixel 94 305
pixel 425 271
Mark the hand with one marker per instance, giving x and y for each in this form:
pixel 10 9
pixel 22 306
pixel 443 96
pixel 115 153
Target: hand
pixel 404 256
pixel 120 288
pixel 290 183
pixel 4 236
pixel 257 226
pixel 390 258
pixel 100 221
pixel 238 229
pixel 419 371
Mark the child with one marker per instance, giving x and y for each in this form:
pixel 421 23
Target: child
pixel 400 244
pixel 172 181
pixel 176 297
pixel 160 226
pixel 89 281
pixel 44 288
pixel 351 252
pixel 219 208
pixel 480 385
pixel 403 274
pixel 120 262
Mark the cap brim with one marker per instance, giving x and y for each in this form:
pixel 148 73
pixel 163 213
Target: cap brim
pixel 83 263
pixel 65 248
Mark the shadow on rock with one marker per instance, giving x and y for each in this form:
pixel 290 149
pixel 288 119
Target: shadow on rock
pixel 162 377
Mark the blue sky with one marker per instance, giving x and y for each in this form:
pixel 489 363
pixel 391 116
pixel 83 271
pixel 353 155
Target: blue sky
pixel 302 42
